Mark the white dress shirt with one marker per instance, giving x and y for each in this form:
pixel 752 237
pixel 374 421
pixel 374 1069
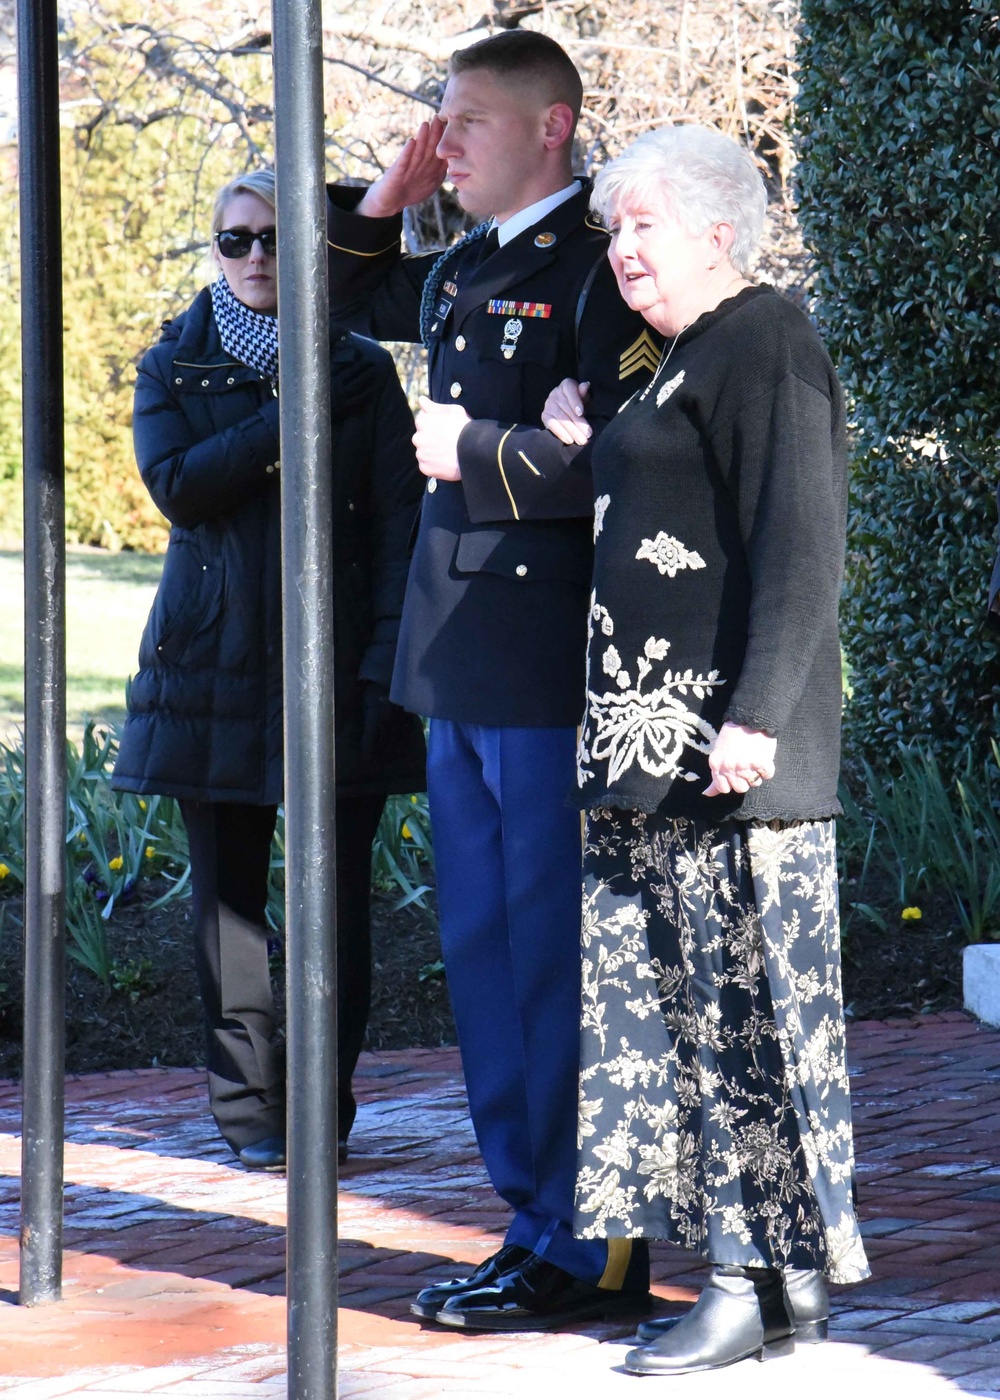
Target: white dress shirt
pixel 534 213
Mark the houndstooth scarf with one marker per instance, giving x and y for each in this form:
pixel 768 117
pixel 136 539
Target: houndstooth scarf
pixel 249 336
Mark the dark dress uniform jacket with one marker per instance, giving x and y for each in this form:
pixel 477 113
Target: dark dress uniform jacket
pixel 494 625
pixel 205 709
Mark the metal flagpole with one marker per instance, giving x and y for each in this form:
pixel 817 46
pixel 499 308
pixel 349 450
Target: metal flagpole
pixel 310 804
pixel 44 652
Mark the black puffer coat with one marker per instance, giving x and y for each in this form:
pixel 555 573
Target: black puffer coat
pixel 205 709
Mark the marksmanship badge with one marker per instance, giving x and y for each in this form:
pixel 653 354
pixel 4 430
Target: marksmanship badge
pixel 511 331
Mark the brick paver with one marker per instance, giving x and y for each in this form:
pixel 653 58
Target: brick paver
pixel 174 1274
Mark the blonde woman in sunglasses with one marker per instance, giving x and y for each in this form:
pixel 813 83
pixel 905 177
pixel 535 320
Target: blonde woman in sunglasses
pixel 205 708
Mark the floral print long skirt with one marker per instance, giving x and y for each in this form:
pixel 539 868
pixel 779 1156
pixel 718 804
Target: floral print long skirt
pixel 714 1099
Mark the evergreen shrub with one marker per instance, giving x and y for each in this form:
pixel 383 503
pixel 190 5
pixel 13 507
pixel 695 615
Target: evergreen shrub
pixel 898 137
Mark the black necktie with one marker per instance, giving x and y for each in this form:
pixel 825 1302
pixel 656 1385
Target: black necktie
pixel 490 244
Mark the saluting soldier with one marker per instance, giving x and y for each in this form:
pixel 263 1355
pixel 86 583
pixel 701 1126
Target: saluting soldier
pixel 493 637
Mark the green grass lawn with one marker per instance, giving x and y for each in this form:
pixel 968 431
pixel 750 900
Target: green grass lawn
pixel 108 597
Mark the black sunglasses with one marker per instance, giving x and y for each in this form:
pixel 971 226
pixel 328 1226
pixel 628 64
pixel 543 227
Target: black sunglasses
pixel 237 242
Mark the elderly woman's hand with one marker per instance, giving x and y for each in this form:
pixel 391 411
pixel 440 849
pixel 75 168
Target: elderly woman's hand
pixel 564 410
pixel 740 759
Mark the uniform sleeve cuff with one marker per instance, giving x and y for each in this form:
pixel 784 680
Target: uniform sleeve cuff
pixel 349 232
pixel 485 482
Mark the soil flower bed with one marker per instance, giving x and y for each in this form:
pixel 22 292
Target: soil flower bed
pixel 150 1014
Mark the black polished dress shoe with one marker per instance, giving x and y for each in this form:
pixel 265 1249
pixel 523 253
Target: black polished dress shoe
pixel 741 1312
pixel 268 1155
pixel 429 1301
pixel 810 1305
pixel 535 1297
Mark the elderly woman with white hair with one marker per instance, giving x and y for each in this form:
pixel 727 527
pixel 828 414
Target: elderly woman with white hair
pixel 714 1099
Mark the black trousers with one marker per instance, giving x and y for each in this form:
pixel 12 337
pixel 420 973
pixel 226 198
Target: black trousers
pixel 229 845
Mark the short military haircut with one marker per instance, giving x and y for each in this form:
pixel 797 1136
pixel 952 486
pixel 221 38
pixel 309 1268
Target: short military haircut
pixel 529 59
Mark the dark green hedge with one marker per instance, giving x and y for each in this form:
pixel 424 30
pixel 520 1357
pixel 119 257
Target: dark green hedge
pixel 898 132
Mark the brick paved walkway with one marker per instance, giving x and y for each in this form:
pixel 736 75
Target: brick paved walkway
pixel 174 1267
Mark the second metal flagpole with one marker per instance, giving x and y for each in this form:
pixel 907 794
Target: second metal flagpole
pixel 310 802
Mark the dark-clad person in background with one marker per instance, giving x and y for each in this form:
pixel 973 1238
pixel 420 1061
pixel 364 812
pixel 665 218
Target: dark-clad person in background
pixel 493 636
pixel 714 1099
pixel 205 709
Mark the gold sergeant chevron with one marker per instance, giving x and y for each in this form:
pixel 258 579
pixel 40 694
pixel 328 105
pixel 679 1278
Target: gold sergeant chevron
pixel 643 353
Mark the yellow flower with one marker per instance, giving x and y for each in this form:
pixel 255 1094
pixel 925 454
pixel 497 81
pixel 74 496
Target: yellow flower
pixel 407 833
pixel 142 805
pixel 150 852
pixel 115 863
pixel 4 870
pixel 82 836
pixel 413 798
pixel 912 912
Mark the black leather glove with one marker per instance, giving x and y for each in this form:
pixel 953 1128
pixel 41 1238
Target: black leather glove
pixel 353 380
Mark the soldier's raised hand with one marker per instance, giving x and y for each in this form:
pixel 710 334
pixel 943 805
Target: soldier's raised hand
pixel 413 176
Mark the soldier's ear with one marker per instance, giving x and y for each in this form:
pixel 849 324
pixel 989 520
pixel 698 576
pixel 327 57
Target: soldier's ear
pixel 559 125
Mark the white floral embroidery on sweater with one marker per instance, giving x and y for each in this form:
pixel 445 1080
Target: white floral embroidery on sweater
pixel 650 729
pixel 669 388
pixel 669 555
pixel 600 506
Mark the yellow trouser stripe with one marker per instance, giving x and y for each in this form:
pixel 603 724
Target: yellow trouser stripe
pixel 619 1255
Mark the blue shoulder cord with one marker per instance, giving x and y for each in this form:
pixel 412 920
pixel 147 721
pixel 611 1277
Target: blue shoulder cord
pixel 432 284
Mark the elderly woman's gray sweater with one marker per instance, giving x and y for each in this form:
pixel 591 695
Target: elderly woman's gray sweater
pixel 719 518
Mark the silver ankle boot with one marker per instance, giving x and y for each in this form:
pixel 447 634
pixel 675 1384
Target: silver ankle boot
pixel 741 1312
pixel 807 1295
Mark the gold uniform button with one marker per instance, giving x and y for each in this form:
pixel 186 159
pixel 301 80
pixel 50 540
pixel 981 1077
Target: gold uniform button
pixel 432 485
pixel 455 390
pixel 521 571
pixel 269 468
pixel 460 342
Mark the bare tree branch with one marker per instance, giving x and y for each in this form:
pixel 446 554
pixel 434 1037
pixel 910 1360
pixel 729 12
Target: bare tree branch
pixel 382 82
pixel 384 36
